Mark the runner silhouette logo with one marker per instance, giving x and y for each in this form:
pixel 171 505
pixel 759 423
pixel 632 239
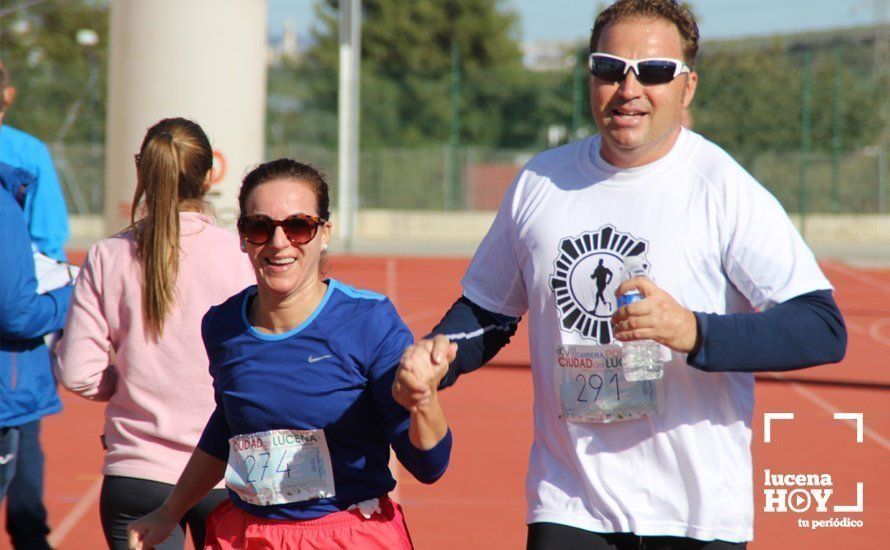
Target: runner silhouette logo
pixel 586 273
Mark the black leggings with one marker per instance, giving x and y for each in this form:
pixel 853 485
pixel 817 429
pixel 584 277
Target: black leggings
pixel 126 499
pixel 552 536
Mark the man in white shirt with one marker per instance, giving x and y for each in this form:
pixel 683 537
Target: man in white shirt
pixel 732 289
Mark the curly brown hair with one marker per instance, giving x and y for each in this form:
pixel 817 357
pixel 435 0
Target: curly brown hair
pixel 678 14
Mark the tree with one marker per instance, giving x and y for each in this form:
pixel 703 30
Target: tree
pixel 406 67
pixel 60 83
pixel 750 100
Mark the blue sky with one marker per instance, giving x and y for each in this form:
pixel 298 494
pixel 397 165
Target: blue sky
pixel 572 19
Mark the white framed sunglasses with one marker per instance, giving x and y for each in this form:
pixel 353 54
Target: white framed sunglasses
pixel 652 70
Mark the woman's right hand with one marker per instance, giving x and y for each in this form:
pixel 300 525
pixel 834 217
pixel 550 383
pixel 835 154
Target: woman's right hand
pixel 147 531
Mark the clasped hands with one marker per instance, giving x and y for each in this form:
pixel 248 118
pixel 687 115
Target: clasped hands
pixel 422 367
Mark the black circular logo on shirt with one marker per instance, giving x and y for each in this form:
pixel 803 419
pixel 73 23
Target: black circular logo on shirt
pixel 587 270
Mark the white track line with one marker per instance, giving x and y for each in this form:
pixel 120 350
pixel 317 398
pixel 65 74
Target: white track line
pixel 831 409
pixel 89 498
pixel 874 330
pixel 858 275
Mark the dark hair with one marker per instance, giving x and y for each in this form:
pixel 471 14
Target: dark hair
pixel 171 168
pixel 291 170
pixel 674 12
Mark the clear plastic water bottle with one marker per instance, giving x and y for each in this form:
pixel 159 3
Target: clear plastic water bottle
pixel 641 359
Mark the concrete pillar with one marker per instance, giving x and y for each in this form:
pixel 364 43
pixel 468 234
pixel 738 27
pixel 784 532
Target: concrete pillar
pixel 200 59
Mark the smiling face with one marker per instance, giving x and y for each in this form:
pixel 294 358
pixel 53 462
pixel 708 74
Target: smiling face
pixel 283 269
pixel 640 123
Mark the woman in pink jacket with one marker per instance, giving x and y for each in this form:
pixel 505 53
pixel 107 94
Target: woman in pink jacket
pixel 139 300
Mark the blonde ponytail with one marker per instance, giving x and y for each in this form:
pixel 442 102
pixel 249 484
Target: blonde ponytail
pixel 171 168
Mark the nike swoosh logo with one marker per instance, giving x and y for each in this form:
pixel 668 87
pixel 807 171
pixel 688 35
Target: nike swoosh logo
pixel 7 458
pixel 313 359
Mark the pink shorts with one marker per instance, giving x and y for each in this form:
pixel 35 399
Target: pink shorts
pixel 230 528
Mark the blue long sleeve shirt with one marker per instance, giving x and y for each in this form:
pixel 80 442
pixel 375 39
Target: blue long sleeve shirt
pixel 332 373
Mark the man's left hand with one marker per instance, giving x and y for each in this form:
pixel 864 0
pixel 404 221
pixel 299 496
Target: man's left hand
pixel 657 317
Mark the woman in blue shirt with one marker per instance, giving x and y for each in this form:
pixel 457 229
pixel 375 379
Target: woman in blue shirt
pixel 303 369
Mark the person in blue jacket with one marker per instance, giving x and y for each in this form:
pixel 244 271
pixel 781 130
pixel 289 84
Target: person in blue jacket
pixel 46 219
pixel 27 387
